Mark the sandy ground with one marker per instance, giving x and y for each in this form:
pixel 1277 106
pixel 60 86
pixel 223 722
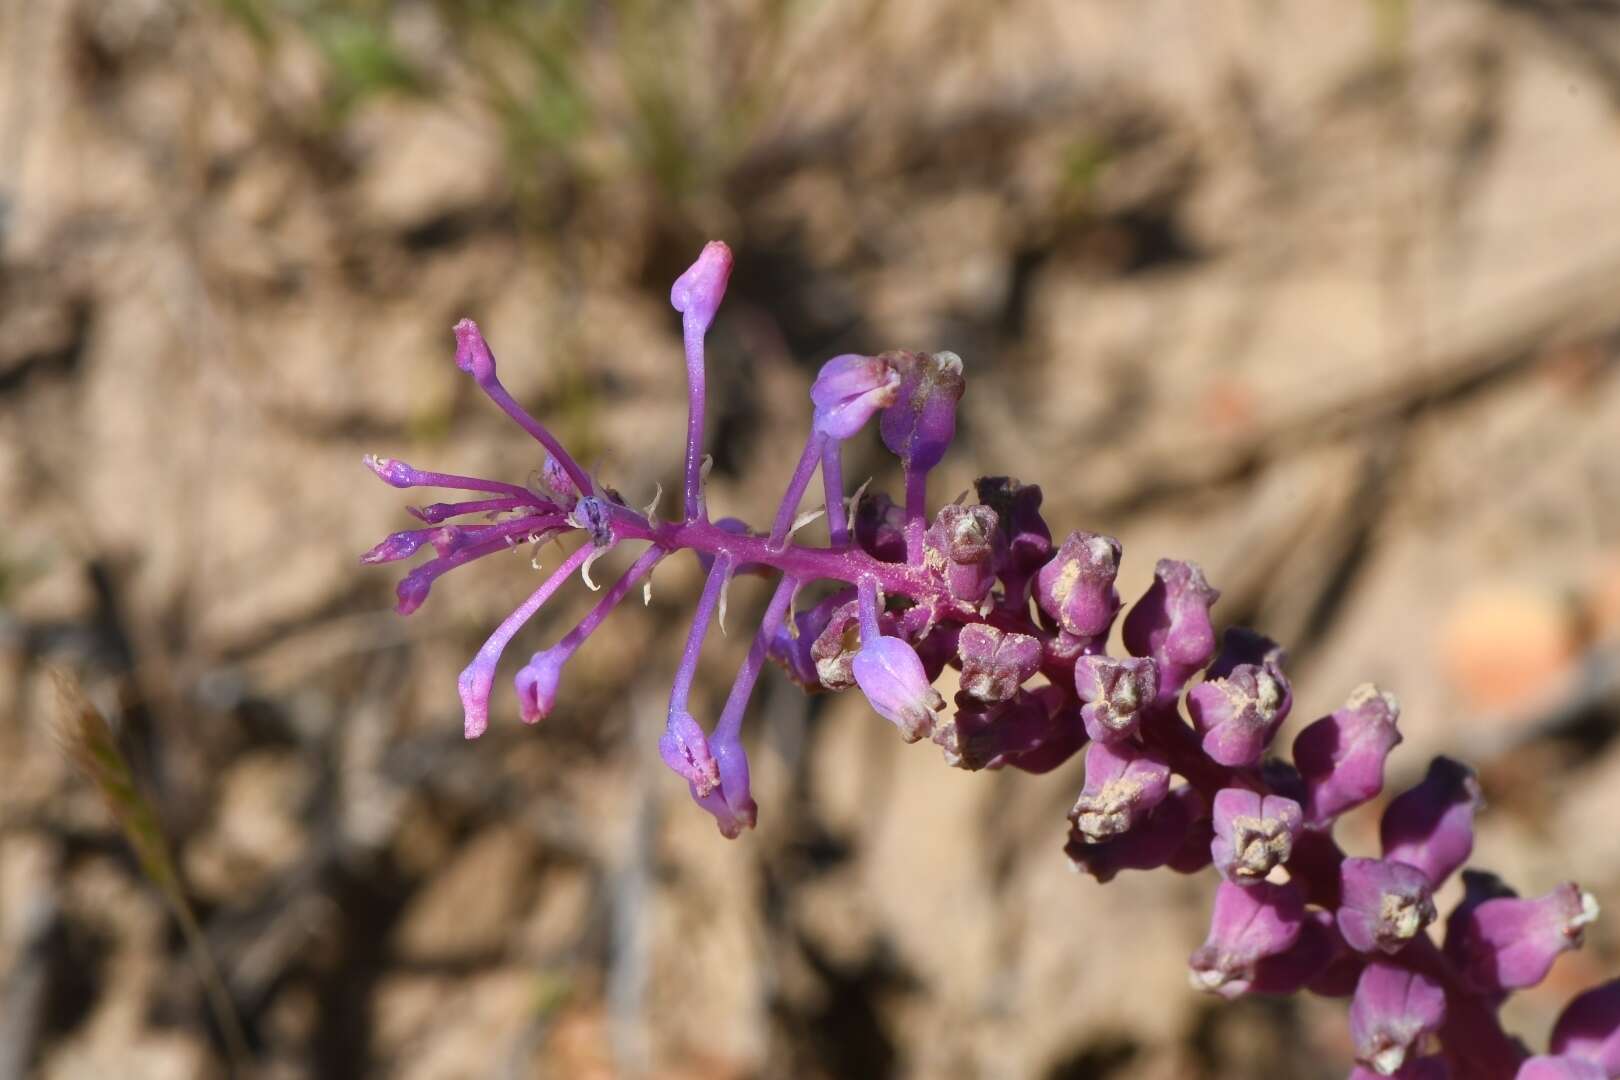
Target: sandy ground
pixel 1323 295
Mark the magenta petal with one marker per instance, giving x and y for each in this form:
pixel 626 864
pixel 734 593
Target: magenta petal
pixel 1341 757
pixel 697 293
pixel 1431 826
pixel 891 675
pixel 1384 905
pixel 1171 624
pixel 1254 834
pixel 1508 944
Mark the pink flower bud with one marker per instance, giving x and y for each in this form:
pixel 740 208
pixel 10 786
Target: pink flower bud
pixel 1115 693
pixel 1391 1013
pixel 697 293
pixel 1383 905
pixel 1507 943
pixel 920 424
pixel 1171 624
pixel 1123 782
pixel 849 390
pixel 1248 925
pixel 1076 588
pixel 1341 757
pixel 995 663
pixel 892 677
pixel 1254 834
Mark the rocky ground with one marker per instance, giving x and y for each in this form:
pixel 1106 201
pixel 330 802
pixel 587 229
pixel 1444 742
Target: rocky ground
pixel 1324 296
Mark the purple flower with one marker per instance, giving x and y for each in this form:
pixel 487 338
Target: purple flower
pixel 1385 904
pixel 1392 1011
pixel 1431 826
pixel 849 391
pixel 1171 624
pixel 1254 834
pixel 1248 925
pixel 1076 588
pixel 920 424
pixel 1238 713
pixel 995 663
pixel 1589 1028
pixel 1508 944
pixel 891 676
pixel 1115 692
pixel 1341 757
pixel 1123 783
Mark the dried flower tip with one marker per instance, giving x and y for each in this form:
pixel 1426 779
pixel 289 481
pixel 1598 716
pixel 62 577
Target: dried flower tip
pixel 1589 1028
pixel 1509 944
pixel 1393 1010
pixel 892 677
pixel 1115 693
pixel 1171 624
pixel 849 390
pixel 1248 925
pixel 995 663
pixel 1123 783
pixel 1431 826
pixel 1076 588
pixel 920 424
pixel 1384 905
pixel 1238 714
pixel 1254 834
pixel 697 293
pixel 731 801
pixel 1341 756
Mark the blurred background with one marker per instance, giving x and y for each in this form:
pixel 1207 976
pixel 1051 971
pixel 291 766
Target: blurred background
pixel 1323 295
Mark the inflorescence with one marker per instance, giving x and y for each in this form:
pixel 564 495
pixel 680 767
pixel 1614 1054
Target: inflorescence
pixel 982 587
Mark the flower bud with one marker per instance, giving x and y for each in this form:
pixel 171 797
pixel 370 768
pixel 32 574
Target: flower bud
pixel 1393 1010
pixel 1165 835
pixel 1171 624
pixel 1297 966
pixel 1589 1028
pixel 960 548
pixel 1115 692
pixel 1123 783
pixel 1076 587
pixel 1254 834
pixel 472 352
pixel 1018 509
pixel 920 424
pixel 536 683
pixel 557 485
pixel 1507 943
pixel 849 390
pixel 392 471
pixel 399 545
pixel 1431 826
pixel 1248 925
pixel 995 663
pixel 1542 1067
pixel 880 528
pixel 1341 757
pixel 892 677
pixel 697 293
pixel 1239 708
pixel 985 736
pixel 1383 905
pixel 685 749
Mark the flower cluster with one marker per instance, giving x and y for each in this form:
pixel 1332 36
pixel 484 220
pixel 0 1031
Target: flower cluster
pixel 1176 735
